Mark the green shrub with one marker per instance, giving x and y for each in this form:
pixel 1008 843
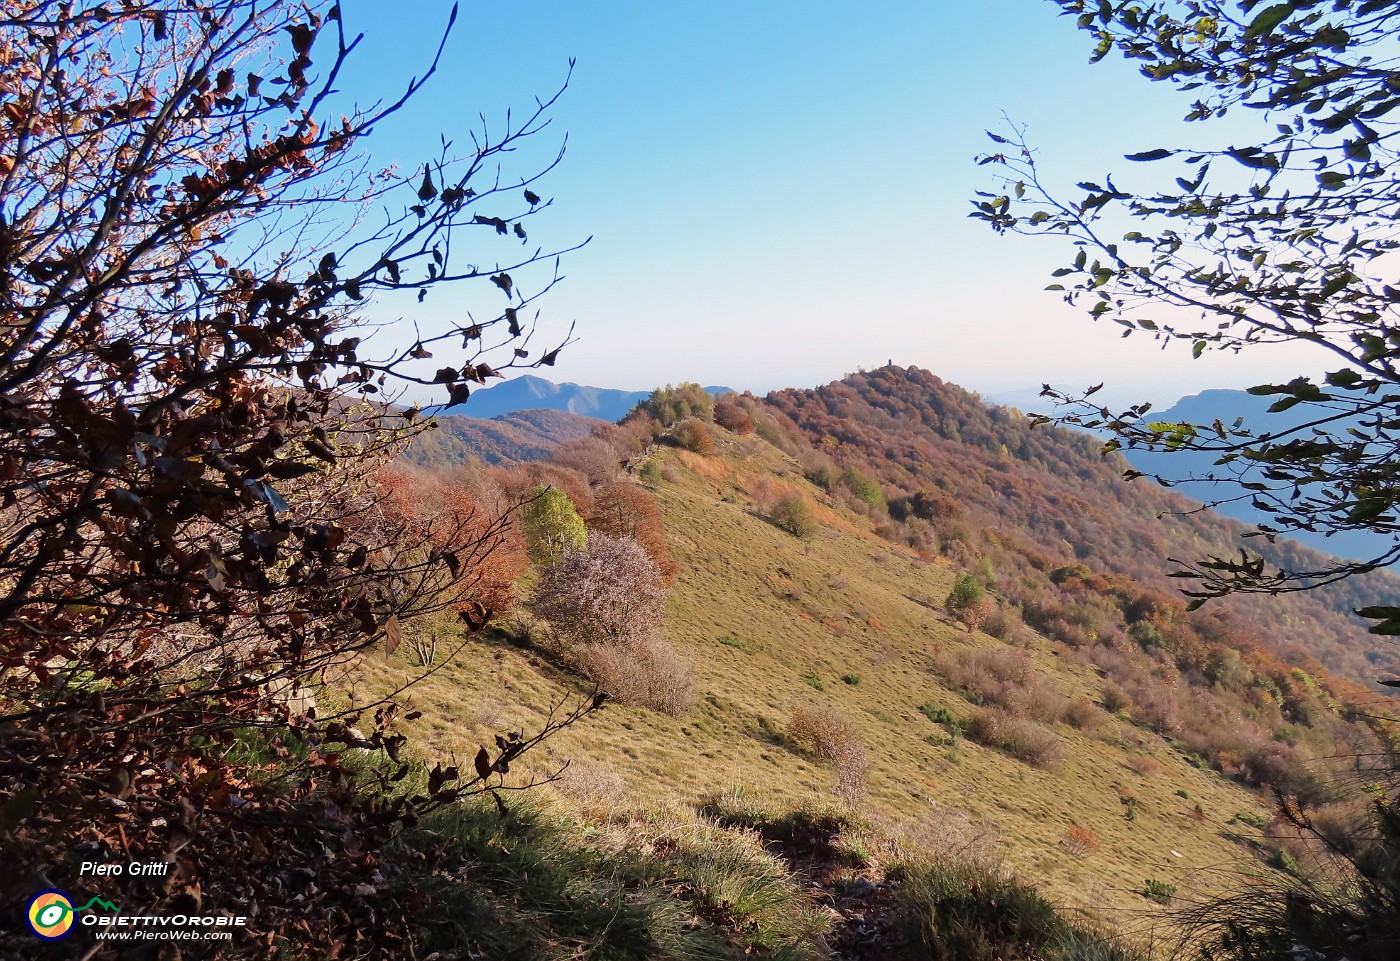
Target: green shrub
pixel 964 601
pixel 1146 635
pixel 739 643
pixel 1348 907
pixel 851 679
pixel 650 473
pixel 793 514
pixel 813 680
pixel 864 489
pixel 1250 818
pixel 671 405
pixel 937 713
pixel 824 476
pixel 551 525
pixel 1159 891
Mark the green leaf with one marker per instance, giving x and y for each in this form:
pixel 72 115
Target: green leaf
pixel 1267 20
pixel 1357 150
pixel 1336 284
pixel 1378 612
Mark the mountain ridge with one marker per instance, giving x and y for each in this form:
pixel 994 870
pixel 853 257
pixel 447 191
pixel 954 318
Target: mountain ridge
pixel 523 435
pixel 1106 737
pixel 1188 468
pixel 528 392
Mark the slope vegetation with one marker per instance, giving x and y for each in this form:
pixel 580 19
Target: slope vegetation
pixel 849 739
pixel 524 435
pixel 1090 803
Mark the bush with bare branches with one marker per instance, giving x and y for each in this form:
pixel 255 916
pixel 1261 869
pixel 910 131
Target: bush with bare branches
pixel 1021 739
pixel 643 671
pixel 604 604
pixel 825 731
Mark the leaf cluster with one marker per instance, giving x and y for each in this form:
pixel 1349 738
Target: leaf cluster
pixel 1285 239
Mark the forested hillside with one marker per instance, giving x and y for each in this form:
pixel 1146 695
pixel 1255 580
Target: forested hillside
pixel 884 628
pixel 518 436
pixel 867 672
pixel 1027 508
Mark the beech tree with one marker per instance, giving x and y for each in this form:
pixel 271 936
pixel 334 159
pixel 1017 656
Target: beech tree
pixel 191 422
pixel 624 509
pixel 1231 246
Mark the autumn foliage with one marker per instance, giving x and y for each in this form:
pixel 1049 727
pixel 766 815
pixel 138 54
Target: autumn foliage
pixel 436 511
pixel 624 509
pixel 194 526
pixel 1249 688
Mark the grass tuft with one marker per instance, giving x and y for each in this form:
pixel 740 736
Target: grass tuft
pixel 974 911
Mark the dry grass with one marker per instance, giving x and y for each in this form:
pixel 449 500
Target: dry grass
pixel 740 577
pixel 1144 765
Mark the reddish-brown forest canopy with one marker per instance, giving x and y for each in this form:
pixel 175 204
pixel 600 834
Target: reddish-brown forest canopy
pixel 1048 527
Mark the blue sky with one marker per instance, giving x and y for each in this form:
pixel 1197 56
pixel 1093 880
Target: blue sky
pixel 777 192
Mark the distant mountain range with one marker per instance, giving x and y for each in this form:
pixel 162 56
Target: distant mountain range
pixel 1226 405
pixel 535 393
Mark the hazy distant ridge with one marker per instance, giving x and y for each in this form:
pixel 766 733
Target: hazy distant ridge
pixel 528 392
pixel 1226 405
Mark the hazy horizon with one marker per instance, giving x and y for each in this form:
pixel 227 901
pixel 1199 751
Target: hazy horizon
pixel 778 194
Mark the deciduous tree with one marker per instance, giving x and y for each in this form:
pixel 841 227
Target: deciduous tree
pixel 625 509
pixel 1286 236
pixel 190 422
pixel 966 601
pixel 605 592
pixel 551 525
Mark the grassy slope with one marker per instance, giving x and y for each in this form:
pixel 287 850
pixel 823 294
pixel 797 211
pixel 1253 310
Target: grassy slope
pixel 849 603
